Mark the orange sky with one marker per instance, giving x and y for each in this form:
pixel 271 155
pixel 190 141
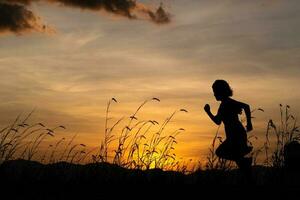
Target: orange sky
pixel 69 76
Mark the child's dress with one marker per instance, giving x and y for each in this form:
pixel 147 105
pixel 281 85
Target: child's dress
pixel 235 146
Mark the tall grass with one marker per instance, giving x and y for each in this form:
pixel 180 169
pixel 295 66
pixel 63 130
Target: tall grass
pixel 285 131
pixel 141 144
pixel 136 144
pixel 23 140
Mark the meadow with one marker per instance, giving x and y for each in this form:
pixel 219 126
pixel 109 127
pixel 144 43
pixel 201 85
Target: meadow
pixel 141 152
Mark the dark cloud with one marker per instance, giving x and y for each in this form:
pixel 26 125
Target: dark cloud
pixel 16 17
pixel 25 2
pixel 160 16
pixel 128 8
pixel 119 7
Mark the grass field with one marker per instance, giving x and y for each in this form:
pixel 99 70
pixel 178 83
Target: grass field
pixel 141 154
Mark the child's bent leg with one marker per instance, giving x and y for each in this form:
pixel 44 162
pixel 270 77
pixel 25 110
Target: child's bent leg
pixel 223 151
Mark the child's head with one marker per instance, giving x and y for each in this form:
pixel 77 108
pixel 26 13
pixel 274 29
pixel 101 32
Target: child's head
pixel 221 90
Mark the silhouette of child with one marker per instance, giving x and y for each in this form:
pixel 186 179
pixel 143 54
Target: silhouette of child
pixel 235 147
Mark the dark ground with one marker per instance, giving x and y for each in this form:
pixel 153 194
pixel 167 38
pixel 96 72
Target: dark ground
pixel 31 180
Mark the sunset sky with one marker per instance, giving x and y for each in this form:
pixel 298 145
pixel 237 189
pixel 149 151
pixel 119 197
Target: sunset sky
pixel 84 58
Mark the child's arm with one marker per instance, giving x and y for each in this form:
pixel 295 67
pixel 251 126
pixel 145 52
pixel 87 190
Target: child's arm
pixel 247 110
pixel 216 119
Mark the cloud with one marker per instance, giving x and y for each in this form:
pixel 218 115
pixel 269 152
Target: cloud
pixel 160 16
pixel 127 8
pixel 119 7
pixel 17 18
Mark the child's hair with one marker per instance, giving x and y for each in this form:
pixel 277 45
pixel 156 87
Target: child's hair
pixel 222 88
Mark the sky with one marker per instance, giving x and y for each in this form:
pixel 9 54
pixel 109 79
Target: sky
pixel 69 61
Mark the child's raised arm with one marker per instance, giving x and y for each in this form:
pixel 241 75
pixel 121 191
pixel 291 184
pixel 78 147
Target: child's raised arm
pixel 214 118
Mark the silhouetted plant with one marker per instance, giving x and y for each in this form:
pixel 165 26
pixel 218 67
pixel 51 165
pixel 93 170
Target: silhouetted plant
pixel 284 131
pixel 108 136
pixel 22 140
pixel 52 156
pixel 138 145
